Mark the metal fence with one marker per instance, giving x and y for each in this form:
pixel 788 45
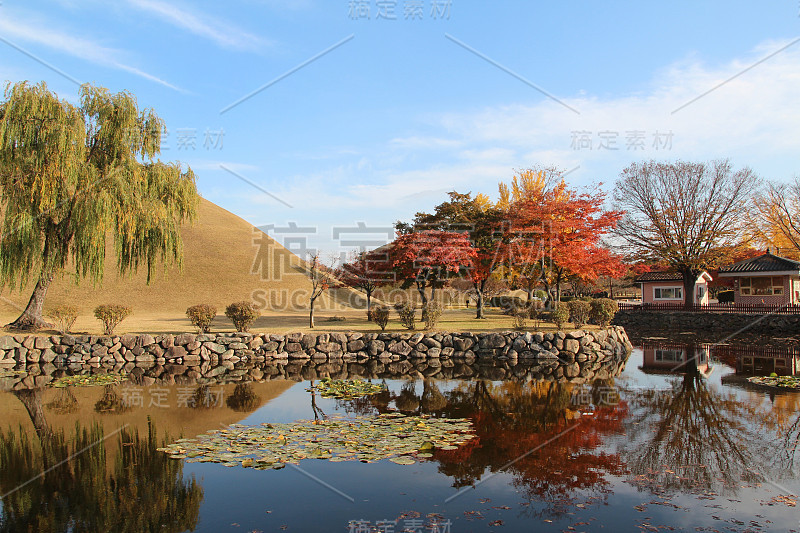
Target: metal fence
pixel 747 309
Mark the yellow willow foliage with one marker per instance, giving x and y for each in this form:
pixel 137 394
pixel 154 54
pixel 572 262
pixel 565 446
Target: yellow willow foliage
pixel 70 175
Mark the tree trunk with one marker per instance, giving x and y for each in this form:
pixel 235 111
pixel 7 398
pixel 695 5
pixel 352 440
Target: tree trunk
pixel 689 279
pixel 32 400
pixel 558 285
pixel 691 368
pixel 311 314
pixel 529 292
pixel 31 317
pixel 479 292
pixel 369 302
pixel 421 290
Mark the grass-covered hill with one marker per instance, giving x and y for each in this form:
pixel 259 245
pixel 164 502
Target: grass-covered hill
pixel 220 253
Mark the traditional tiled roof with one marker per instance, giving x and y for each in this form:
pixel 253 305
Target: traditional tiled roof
pixel 666 276
pixel 762 263
pixel 659 276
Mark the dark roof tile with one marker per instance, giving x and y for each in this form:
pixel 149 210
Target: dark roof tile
pixel 762 263
pixel 659 276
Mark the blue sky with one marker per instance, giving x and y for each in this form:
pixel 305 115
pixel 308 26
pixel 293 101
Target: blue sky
pixel 393 113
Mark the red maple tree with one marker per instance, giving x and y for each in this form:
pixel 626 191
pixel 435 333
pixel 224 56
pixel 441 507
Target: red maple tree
pixel 365 272
pixel 427 258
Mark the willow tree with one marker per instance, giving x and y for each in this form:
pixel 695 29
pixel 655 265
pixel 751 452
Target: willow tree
pixel 71 175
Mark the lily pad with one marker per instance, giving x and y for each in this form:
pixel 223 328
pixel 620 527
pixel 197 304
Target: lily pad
pixel 343 389
pixel 393 437
pixel 88 380
pixel 783 382
pixel 4 373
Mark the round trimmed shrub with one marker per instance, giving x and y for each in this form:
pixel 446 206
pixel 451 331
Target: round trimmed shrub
pixel 201 316
pixel 380 315
pixel 560 315
pixel 431 314
pixel 604 310
pixel 111 315
pixel 407 314
pixel 521 316
pixel 242 314
pixel 579 311
pixel 64 317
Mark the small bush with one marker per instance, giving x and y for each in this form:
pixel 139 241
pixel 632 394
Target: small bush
pixel 242 314
pixel 370 314
pixel 542 295
pixel 725 297
pixel 536 308
pixel 380 315
pixel 111 315
pixel 536 311
pixel 579 311
pixel 520 317
pixel 201 316
pixel 335 318
pixel 431 314
pixel 560 315
pixel 407 314
pixel 603 311
pixel 64 317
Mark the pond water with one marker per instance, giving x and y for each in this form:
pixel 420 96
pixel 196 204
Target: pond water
pixel 661 446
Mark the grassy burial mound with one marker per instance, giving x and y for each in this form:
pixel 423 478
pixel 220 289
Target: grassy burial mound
pixel 225 259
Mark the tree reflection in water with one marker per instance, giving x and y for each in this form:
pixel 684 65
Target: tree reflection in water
pixel 64 403
pixel 693 438
pixel 243 399
pixel 111 401
pixel 511 419
pixel 47 489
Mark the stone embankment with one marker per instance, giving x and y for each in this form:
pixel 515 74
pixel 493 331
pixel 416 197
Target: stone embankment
pixel 708 322
pixel 578 356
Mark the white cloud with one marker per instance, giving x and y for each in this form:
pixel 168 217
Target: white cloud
pixel 222 33
pixel 79 47
pixel 752 117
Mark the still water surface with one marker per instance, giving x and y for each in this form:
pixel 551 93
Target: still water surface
pixel 653 449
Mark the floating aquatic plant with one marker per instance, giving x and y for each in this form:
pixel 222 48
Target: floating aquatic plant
pixel 343 389
pixel 784 382
pixel 271 446
pixel 88 380
pixel 5 373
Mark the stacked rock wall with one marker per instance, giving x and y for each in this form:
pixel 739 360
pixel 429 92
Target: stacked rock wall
pixel 577 356
pixel 188 348
pixel 717 322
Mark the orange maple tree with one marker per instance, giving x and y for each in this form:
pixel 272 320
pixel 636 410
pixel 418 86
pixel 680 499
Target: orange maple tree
pixel 557 233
